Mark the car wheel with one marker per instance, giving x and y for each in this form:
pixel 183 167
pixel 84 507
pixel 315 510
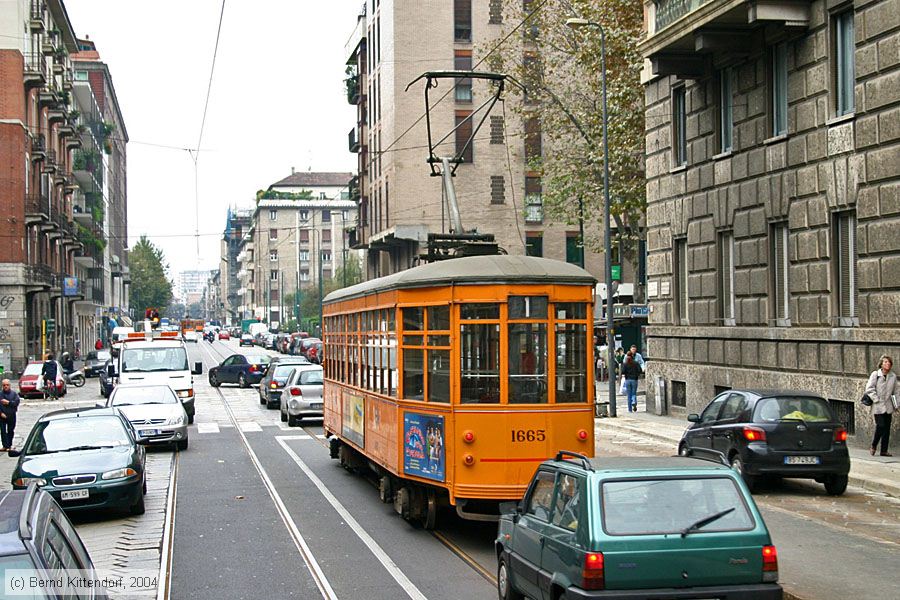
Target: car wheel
pixel 738 465
pixel 182 445
pixel 138 507
pixel 505 588
pixel 144 486
pixel 214 380
pixel 262 399
pixel 283 416
pixel 836 485
pixel 190 419
pixel 242 381
pixel 293 421
pixel 683 449
pixel 272 405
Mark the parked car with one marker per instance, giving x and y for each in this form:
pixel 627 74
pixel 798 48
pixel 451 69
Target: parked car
pixel 192 336
pixel 154 411
pixel 239 369
pixel 260 338
pixel 305 345
pixel 246 340
pixel 635 528
pixel 106 382
pixel 30 523
pixel 94 361
pixel 283 342
pixel 771 433
pixel 302 395
pixel 296 338
pixel 314 353
pixel 85 458
pixel 224 335
pixel 30 385
pixel 276 376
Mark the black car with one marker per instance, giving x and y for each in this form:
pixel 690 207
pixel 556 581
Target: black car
pixel 36 535
pixel 86 459
pixel 771 433
pixel 106 382
pixel 276 376
pixel 239 369
pixel 246 340
pixel 95 362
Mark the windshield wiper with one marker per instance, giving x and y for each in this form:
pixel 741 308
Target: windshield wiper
pixel 75 448
pixel 705 521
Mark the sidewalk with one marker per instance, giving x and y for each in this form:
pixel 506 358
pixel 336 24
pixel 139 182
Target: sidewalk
pixel 875 473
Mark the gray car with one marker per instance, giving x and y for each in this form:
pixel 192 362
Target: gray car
pixel 95 361
pixel 302 395
pixel 276 377
pixel 155 413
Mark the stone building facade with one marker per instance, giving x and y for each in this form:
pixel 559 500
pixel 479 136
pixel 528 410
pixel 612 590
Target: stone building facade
pixel 773 188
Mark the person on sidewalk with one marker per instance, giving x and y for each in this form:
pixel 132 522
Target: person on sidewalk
pixel 98 345
pixel 9 406
pixel 631 371
pixel 637 356
pixel 881 387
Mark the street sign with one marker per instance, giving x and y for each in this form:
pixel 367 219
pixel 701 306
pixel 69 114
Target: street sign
pixel 617 272
pixel 50 325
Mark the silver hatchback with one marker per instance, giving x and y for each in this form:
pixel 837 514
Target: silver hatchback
pixel 154 411
pixel 302 395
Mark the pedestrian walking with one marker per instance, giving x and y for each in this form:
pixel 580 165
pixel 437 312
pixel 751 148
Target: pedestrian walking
pixel 637 356
pixel 620 357
pixel 884 391
pixel 9 406
pixel 98 345
pixel 631 371
pixel 49 373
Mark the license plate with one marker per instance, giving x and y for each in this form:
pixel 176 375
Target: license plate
pixel 801 460
pixel 74 494
pixel 316 405
pixel 149 432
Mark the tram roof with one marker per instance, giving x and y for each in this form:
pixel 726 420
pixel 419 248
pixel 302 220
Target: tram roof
pixel 472 270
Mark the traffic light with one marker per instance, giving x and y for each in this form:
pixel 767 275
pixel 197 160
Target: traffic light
pixel 49 326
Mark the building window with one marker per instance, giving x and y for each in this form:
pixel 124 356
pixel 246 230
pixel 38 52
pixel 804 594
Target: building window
pixel 531 71
pixel 498 189
pixel 273 255
pixel 273 214
pixel 845 72
pixel 304 255
pixel 273 275
pixel 326 216
pixel 679 126
pixel 495 12
pixel 681 282
pixel 726 110
pixel 779 270
pixel 844 258
pixel 273 234
pixel 304 215
pixel 532 139
pixel 534 244
pixel 574 249
pixel 345 215
pixel 726 277
pixel 779 89
pixel 464 144
pixel 326 236
pixel 462 20
pixel 273 295
pixel 462 61
pixel 496 130
pixel 304 275
pixel 304 236
pixel 534 205
pixel 679 393
pixel 326 273
pixel 326 256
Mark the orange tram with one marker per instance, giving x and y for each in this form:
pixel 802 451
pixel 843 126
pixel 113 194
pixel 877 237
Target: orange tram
pixel 453 380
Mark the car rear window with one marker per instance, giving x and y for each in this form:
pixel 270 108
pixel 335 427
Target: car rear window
pixel 258 360
pixel 311 377
pixel 792 408
pixel 33 369
pixel 283 372
pixel 670 505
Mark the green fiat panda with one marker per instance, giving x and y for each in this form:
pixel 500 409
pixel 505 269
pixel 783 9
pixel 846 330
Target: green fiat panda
pixel 656 528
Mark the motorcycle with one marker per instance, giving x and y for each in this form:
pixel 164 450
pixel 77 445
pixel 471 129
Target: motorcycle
pixel 74 378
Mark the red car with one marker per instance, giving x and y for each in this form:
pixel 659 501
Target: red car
pixel 28 382
pixel 224 335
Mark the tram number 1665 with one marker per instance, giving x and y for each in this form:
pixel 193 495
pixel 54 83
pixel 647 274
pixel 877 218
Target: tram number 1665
pixel 528 435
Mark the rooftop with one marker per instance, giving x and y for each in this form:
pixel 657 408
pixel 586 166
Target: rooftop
pixel 307 179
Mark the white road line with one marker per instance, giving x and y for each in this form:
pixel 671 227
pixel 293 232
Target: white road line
pixel 249 426
pixel 163 590
pixel 399 576
pixel 302 436
pixel 207 428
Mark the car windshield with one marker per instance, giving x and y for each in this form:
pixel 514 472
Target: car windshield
pixel 258 360
pixel 792 408
pixel 33 369
pixel 147 360
pixel 151 394
pixel 311 377
pixel 673 505
pixel 62 435
pixel 283 372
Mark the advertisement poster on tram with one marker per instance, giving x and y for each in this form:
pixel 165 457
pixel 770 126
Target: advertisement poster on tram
pixel 354 422
pixel 423 445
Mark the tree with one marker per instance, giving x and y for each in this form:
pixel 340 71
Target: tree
pixel 561 69
pixel 350 272
pixel 150 285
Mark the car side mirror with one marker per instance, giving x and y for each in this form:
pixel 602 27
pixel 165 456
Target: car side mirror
pixel 198 368
pixel 14 453
pixel 111 371
pixel 694 418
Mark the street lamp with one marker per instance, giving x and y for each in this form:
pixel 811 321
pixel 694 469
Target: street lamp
pixel 575 23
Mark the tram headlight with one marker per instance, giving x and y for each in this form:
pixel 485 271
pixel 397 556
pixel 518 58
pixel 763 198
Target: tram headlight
pixel 582 434
pixel 469 460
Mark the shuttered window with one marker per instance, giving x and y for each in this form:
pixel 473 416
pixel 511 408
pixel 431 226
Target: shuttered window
pixel 463 136
pixel 779 89
pixel 726 277
pixel 498 189
pixel 462 20
pixel 726 112
pixel 679 127
pixel 845 266
pixel 779 269
pixel 532 139
pixel 495 12
pixel 496 130
pixel 681 282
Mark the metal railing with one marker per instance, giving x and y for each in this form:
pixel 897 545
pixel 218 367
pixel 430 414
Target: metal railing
pixel 669 11
pixel 36 62
pixel 37 203
pixel 40 274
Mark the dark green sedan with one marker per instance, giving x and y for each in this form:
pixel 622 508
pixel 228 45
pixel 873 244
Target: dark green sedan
pixel 86 459
pixel 649 528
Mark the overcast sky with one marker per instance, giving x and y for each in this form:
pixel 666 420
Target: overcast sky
pixel 277 102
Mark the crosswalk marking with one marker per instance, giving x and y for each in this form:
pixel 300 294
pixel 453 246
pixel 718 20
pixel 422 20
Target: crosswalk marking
pixel 207 428
pixel 250 426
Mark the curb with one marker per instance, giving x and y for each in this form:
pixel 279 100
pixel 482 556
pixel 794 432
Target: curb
pixel 884 487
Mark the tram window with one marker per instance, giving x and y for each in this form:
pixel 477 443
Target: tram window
pixel 527 307
pixel 413 375
pixel 392 319
pixel 438 340
pixel 480 364
pixel 392 365
pixel 571 310
pixel 413 318
pixel 527 363
pixel 571 363
pixel 439 318
pixel 413 340
pixel 439 376
pixel 480 311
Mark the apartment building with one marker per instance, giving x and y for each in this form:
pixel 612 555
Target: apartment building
pixel 55 262
pixel 236 224
pixel 393 43
pixel 299 234
pixel 772 188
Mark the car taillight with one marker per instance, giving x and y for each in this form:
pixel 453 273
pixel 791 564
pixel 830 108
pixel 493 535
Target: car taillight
pixel 592 573
pixel 254 369
pixel 273 385
pixel 840 434
pixel 754 434
pixel 770 563
pixel 296 392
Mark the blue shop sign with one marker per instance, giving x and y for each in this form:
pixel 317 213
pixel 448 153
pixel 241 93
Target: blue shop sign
pixel 70 286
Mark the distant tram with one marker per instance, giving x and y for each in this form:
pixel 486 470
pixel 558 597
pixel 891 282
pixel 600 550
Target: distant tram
pixel 453 380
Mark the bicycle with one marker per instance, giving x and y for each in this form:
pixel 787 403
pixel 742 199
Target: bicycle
pixel 50 390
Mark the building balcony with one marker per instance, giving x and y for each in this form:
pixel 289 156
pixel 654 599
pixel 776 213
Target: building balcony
pixel 681 32
pixel 35 71
pixel 353 140
pixel 39 277
pixel 37 208
pixel 38 147
pixel 37 23
pixel 352 83
pixel 47 97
